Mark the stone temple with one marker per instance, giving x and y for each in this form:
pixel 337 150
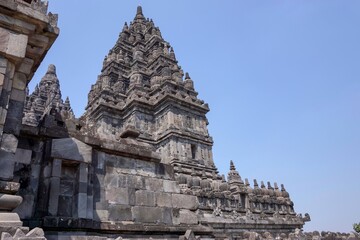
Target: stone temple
pixel 137 165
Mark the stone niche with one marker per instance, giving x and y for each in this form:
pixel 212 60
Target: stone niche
pixel 69 181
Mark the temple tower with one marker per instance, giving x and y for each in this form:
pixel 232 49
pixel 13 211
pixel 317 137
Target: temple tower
pixel 46 98
pixel 141 86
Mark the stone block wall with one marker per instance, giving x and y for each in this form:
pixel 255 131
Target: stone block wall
pixel 26 34
pixel 27 171
pixel 66 180
pixel 139 191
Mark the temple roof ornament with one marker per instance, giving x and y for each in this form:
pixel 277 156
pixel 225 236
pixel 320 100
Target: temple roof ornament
pixel 233 175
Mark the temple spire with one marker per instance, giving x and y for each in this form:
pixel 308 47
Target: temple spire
pixel 51 69
pixel 139 13
pixel 233 175
pixel 232 167
pixel 46 96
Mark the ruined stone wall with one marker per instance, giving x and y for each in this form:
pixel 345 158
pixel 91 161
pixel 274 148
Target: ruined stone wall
pixel 27 32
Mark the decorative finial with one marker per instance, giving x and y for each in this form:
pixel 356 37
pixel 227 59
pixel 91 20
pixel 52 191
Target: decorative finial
pixel 256 185
pixel 247 182
pixel 126 27
pixel 172 53
pixel 262 184
pixel 67 101
pixel 269 185
pixel 36 90
pixel 51 69
pixel 232 167
pixel 276 186
pixel 187 76
pixel 139 13
pixel 282 188
pixel 139 10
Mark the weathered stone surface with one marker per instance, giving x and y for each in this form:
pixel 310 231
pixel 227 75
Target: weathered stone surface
pixel 185 201
pixel 9 143
pixel 189 235
pixel 136 182
pixel 120 213
pixel 54 196
pixel 2 79
pixel 6 236
pixel 163 199
pixel 145 198
pixel 101 215
pixel 81 205
pixel 18 234
pixel 8 219
pixel 187 217
pixel 25 209
pixel 14 115
pixel 23 156
pixel 71 149
pixel 9 187
pixel 117 195
pixel 151 215
pixel 7 164
pixel 83 173
pixel 36 232
pixel 12 44
pixel 56 168
pixel 171 186
pixel 154 184
pixel 26 66
pixel 19 81
pixel 18 95
pixel 112 180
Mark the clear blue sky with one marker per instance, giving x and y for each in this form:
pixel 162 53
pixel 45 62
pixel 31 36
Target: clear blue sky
pixel 281 79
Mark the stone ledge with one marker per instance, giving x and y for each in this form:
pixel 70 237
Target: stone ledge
pixel 123 147
pixel 9 187
pixel 71 149
pixel 50 223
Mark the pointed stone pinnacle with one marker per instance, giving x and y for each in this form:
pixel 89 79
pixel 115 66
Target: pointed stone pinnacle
pixel 139 13
pixel 139 10
pixel 247 182
pixel 256 183
pixel 51 69
pixel 67 102
pixel 232 166
pixel 126 27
